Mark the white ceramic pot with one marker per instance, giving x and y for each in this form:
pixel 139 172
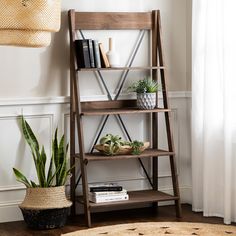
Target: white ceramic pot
pixel 146 100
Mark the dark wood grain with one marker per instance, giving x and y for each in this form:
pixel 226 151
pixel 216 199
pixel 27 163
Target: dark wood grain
pixel 169 131
pixel 114 107
pixel 166 213
pixel 135 197
pixel 123 68
pixel 113 20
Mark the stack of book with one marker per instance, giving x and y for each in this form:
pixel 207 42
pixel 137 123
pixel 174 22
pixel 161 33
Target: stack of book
pixel 90 54
pixel 107 193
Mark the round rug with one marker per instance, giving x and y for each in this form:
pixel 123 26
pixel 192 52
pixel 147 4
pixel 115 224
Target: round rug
pixel 159 229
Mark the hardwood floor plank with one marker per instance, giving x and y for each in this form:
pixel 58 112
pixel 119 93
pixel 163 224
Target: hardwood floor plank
pixel 166 213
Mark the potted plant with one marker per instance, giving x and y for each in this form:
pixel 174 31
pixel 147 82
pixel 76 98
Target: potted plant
pixel 114 145
pixel 146 90
pixel 45 204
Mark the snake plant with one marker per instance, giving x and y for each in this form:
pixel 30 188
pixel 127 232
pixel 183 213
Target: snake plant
pixel 58 171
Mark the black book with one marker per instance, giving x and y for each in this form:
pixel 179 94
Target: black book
pixel 91 53
pixel 96 51
pixel 82 53
pixel 105 187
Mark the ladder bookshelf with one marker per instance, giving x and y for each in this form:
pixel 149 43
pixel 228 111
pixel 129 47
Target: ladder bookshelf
pixel 143 21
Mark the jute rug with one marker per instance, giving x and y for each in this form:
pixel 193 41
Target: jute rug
pixel 159 229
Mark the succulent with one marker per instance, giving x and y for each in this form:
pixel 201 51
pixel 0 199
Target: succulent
pixel 113 143
pixel 136 145
pixel 146 85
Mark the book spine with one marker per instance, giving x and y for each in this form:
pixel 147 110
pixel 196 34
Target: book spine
pixel 79 53
pixel 97 58
pixel 104 59
pixel 105 189
pixel 95 194
pixel 122 197
pixel 91 54
pixel 86 53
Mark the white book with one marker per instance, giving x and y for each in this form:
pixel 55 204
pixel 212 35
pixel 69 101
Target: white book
pixel 109 198
pixel 124 191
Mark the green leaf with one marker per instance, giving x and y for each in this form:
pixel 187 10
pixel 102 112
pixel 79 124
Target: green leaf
pixel 62 174
pixel 55 149
pixel 61 150
pixel 34 185
pixel 21 178
pixel 29 135
pixel 49 175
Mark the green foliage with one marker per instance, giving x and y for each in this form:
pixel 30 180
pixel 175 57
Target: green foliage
pixel 115 142
pixel 136 145
pixel 146 85
pixel 57 173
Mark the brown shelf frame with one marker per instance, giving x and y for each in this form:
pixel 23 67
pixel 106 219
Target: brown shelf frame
pixel 123 68
pixel 97 156
pixel 120 21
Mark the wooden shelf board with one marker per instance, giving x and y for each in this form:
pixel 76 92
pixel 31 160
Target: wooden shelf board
pixel 115 111
pixel 135 197
pixel 122 68
pixel 97 156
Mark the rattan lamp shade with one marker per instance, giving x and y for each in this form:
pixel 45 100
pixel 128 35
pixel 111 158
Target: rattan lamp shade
pixel 29 23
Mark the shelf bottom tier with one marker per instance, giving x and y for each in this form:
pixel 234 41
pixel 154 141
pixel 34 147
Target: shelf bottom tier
pixel 135 197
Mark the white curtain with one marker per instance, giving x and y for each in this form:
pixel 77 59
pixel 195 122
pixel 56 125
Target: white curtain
pixel 214 108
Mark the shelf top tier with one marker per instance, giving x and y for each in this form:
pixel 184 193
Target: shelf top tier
pixel 123 68
pixel 95 108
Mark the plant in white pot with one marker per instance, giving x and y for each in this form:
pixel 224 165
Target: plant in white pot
pixel 45 204
pixel 146 90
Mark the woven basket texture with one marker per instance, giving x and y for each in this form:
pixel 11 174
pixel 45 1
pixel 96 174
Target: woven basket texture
pixel 27 22
pixel 45 198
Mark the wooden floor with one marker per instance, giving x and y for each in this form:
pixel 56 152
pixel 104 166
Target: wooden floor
pixel 166 213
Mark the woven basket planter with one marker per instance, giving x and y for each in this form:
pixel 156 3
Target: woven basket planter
pixel 29 23
pixel 45 208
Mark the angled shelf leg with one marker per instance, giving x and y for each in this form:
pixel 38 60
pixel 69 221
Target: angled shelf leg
pixel 167 117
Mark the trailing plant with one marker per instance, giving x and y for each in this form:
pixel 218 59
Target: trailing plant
pixel 146 85
pixel 57 173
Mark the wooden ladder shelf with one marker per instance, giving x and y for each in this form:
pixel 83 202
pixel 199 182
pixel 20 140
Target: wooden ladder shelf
pixel 143 21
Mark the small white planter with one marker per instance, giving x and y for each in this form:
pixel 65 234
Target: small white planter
pixel 146 100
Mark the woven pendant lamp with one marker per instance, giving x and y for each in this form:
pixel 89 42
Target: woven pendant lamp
pixel 29 23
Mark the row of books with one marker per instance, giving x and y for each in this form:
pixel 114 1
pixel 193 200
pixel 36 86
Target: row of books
pixel 90 54
pixel 111 192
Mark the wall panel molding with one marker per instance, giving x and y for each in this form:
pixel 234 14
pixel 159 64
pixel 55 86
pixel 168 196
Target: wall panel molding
pixel 66 99
pixel 56 109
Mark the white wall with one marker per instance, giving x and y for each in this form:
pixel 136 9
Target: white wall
pixel 26 72
pixel 35 81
